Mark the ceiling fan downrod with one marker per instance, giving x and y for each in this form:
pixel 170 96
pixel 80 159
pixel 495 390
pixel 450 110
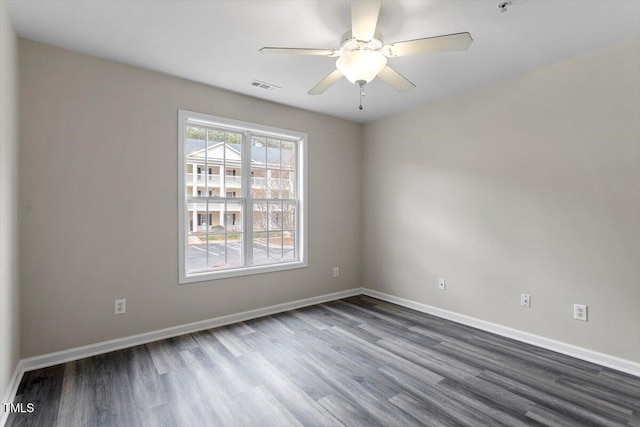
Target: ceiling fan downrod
pixel 361 84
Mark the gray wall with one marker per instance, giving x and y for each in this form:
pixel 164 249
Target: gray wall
pixel 99 199
pixel 528 186
pixel 9 270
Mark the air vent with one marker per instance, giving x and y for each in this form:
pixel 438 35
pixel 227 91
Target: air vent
pixel 263 85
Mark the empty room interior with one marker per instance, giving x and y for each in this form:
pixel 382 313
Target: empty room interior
pixel 320 213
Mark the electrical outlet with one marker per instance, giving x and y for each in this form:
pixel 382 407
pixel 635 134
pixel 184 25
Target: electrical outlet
pixel 336 272
pixel 580 312
pixel 442 285
pixel 120 307
pixel 525 300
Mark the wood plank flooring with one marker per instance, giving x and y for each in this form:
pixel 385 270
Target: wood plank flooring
pixel 352 362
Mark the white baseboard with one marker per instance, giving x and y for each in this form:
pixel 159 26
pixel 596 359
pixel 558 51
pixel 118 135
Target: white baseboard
pixel 602 359
pixel 76 353
pixel 12 389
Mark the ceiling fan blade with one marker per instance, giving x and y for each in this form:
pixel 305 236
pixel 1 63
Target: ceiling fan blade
pixel 298 51
pixel 325 83
pixel 448 43
pixel 364 18
pixel 395 79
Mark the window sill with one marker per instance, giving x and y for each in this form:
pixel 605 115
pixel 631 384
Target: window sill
pixel 243 271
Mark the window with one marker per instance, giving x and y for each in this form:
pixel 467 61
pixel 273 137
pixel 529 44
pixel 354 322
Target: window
pixel 247 214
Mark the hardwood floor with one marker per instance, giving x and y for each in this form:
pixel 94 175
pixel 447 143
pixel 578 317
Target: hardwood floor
pixel 353 362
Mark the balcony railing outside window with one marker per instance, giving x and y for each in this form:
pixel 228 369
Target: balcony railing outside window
pixel 215 180
pixel 232 180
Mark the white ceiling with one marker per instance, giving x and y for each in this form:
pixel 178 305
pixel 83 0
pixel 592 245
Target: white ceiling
pixel 217 42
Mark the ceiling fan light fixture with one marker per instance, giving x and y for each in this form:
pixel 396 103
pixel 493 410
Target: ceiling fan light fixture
pixel 363 54
pixel 361 65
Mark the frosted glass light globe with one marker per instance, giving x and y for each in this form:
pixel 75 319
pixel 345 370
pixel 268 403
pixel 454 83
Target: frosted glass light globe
pixel 361 65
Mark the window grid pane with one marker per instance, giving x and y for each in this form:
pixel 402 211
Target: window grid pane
pixel 214 171
pixel 289 245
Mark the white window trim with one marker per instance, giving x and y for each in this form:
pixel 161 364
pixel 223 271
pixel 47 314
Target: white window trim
pixel 302 229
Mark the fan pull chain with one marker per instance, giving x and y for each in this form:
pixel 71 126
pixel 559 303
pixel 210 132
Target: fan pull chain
pixel 361 95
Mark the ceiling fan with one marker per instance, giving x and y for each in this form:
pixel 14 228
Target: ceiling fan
pixel 362 55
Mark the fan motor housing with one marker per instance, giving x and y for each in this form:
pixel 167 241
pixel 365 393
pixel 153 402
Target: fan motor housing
pixel 349 43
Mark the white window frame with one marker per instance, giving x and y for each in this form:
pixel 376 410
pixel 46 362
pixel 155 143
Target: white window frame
pixel 301 236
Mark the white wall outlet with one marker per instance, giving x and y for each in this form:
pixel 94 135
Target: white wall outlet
pixel 442 285
pixel 525 300
pixel 336 272
pixel 121 306
pixel 580 312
